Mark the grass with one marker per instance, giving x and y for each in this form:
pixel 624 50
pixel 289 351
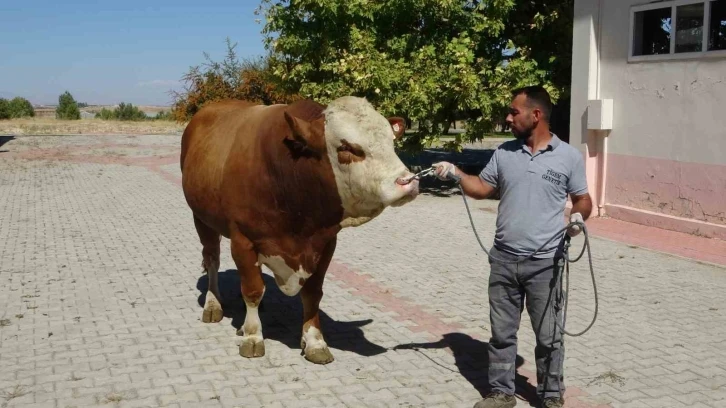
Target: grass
pixel 113 397
pixel 17 392
pixel 52 126
pixel 610 377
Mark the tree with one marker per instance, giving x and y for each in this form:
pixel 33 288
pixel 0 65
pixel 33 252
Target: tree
pixel 124 111
pixel 20 108
pixel 533 21
pixel 431 61
pixel 67 107
pixel 164 115
pixel 127 111
pixel 249 80
pixel 4 109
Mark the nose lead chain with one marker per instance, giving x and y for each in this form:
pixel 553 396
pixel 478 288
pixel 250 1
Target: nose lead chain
pixel 418 175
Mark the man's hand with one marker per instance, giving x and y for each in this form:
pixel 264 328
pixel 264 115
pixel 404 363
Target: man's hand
pixel 575 229
pixel 443 169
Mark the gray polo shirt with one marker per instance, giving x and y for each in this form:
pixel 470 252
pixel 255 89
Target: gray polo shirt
pixel 533 193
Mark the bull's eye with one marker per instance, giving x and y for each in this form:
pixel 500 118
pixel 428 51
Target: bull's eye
pixel 349 153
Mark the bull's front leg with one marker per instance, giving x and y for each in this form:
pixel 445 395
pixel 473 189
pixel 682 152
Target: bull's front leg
pixel 253 289
pixel 312 342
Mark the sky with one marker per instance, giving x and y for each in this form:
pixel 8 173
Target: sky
pixel 106 52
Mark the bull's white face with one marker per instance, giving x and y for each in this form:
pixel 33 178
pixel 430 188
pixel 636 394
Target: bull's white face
pixel 367 170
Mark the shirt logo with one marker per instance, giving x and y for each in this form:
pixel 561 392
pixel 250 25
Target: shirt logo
pixel 553 177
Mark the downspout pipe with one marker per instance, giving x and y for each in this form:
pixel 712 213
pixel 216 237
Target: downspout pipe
pixel 604 151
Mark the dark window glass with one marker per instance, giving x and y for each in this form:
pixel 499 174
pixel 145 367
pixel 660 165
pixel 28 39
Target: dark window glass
pixel 652 32
pixel 689 28
pixel 717 26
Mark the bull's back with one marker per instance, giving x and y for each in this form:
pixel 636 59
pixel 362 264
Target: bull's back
pixel 206 145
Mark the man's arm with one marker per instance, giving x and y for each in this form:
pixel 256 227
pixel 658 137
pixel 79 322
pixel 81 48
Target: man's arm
pixel 581 208
pixel 473 186
pixel 581 204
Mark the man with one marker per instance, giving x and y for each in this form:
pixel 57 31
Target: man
pixel 534 174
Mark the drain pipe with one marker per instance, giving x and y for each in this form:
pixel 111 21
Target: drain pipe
pixel 604 151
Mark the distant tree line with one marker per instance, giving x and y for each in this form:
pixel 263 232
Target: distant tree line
pixel 129 112
pixel 19 107
pixel 16 108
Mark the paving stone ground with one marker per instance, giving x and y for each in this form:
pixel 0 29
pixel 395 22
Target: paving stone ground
pixel 101 291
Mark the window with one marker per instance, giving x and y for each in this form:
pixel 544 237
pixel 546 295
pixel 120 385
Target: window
pixel 652 34
pixel 678 29
pixel 689 28
pixel 717 26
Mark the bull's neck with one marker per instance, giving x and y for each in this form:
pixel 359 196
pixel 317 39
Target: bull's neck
pixel 305 192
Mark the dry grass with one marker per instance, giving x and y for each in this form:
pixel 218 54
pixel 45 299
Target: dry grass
pixel 610 377
pixel 52 126
pixel 16 392
pixel 113 397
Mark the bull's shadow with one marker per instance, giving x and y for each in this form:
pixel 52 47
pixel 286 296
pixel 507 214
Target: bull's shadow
pixel 282 315
pixel 4 139
pixel 472 362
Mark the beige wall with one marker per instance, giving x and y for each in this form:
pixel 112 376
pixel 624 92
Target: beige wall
pixel 666 152
pixel 665 110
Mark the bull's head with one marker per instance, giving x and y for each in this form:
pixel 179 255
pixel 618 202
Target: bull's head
pixel 367 170
pixel 359 143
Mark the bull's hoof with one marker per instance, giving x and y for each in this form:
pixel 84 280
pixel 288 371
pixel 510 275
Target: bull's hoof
pixel 252 347
pixel 319 355
pixel 212 310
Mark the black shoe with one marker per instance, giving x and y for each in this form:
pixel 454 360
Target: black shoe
pixel 497 399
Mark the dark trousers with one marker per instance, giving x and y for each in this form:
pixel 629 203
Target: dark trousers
pixel 511 286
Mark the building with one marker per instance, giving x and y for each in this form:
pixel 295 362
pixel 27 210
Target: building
pixel 648 91
pixel 44 112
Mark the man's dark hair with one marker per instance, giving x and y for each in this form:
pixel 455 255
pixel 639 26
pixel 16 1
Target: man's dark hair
pixel 537 96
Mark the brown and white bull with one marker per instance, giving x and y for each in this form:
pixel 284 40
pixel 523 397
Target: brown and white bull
pixel 280 182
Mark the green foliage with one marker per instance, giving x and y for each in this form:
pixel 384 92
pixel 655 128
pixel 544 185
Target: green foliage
pixel 4 109
pixel 124 111
pixel 67 107
pixel 106 114
pixel 164 115
pixel 128 111
pixel 432 61
pixel 20 108
pixel 249 80
pixel 82 105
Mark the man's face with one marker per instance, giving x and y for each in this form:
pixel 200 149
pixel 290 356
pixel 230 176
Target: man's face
pixel 521 118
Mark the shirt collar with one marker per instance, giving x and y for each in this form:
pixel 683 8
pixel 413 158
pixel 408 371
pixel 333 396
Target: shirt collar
pixel 552 145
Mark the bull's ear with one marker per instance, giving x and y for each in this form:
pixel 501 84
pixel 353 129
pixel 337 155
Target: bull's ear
pixel 398 125
pixel 306 138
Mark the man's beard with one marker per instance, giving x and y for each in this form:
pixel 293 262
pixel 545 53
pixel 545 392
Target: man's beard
pixel 523 134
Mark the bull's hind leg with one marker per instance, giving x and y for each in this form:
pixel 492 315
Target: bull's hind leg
pixel 210 262
pixel 312 342
pixel 253 288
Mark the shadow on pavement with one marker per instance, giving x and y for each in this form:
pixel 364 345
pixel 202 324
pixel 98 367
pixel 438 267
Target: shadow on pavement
pixel 4 139
pixel 472 361
pixel 282 315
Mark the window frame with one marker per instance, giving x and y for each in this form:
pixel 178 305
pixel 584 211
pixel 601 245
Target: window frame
pixel 672 55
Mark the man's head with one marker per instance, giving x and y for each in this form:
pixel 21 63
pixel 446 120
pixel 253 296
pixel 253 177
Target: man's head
pixel 531 108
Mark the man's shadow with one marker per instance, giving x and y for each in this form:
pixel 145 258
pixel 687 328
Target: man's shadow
pixel 472 361
pixel 282 315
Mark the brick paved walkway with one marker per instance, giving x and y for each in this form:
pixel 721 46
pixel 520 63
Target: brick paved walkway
pixel 101 288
